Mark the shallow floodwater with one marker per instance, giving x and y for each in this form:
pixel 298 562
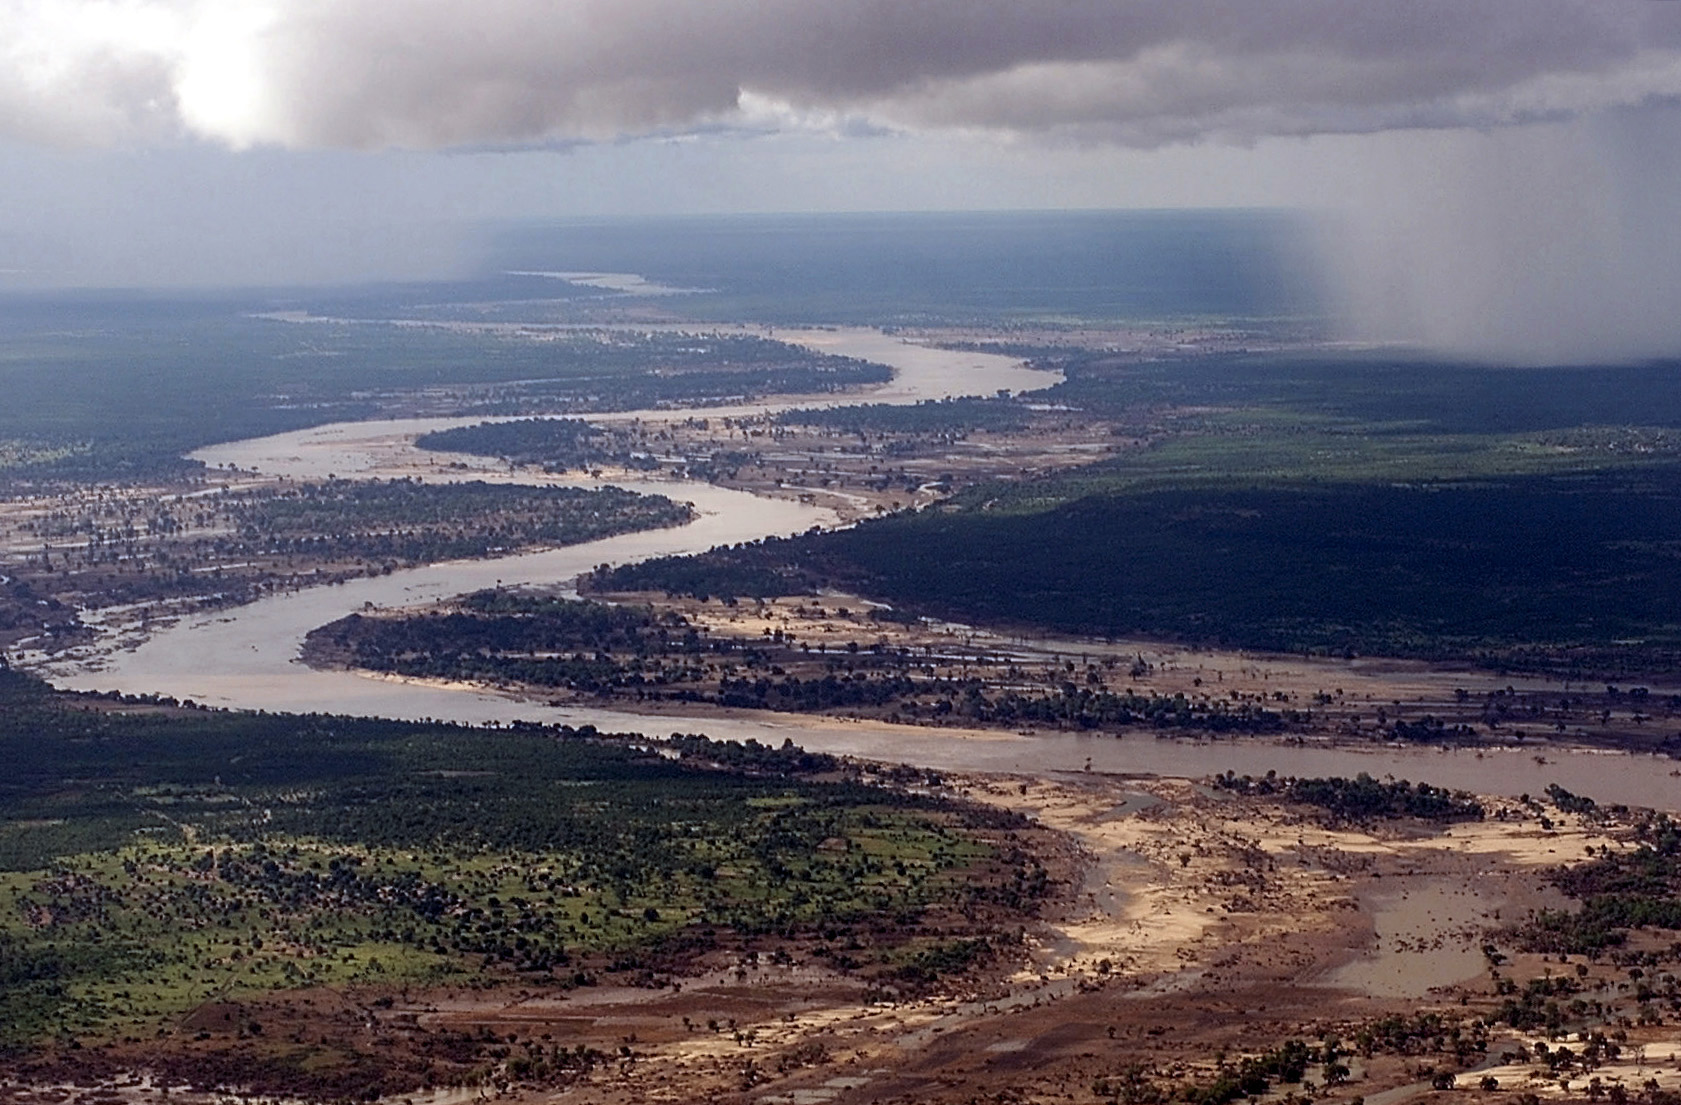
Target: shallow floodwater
pixel 247 656
pixel 1428 934
pixel 921 372
pixel 352 449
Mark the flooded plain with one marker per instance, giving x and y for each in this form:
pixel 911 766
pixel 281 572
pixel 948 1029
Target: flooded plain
pixel 248 656
pixel 1428 934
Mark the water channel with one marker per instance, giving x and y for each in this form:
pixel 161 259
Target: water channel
pixel 246 657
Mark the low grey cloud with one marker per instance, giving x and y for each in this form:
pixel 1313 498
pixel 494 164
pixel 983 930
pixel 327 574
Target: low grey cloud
pixel 1505 188
pixel 447 73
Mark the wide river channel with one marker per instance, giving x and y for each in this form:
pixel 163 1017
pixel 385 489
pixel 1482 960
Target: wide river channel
pixel 247 657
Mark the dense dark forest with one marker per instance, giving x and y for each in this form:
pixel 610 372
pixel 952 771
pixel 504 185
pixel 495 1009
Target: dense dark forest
pixel 1362 798
pixel 1525 519
pixel 555 443
pixel 1567 573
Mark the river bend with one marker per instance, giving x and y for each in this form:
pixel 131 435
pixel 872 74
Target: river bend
pixel 247 657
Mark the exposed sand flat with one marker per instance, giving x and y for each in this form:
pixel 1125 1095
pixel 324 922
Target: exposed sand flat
pixel 1650 1057
pixel 1228 923
pixel 1187 896
pixel 1202 876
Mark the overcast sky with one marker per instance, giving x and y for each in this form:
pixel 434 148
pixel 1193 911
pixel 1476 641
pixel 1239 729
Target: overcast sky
pixel 1494 161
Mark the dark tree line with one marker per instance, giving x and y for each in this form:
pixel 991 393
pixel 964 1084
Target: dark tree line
pixel 1362 798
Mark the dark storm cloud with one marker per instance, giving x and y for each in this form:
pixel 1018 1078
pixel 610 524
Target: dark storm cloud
pixel 440 73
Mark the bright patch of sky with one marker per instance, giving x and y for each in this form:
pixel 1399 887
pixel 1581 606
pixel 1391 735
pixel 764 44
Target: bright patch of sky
pixel 1500 170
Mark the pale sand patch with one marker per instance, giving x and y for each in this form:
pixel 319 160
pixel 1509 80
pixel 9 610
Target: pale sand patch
pixel 1644 1058
pixel 1519 839
pixel 1181 860
pixel 1189 880
pixel 1528 845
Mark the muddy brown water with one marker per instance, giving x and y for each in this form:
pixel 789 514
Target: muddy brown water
pixel 247 657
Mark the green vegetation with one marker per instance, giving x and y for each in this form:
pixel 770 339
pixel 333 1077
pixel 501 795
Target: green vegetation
pixel 1619 891
pixel 1253 1076
pixel 1421 1034
pixel 1457 1043
pixel 409 522
pixel 229 547
pixel 1537 1005
pixel 1362 798
pixel 507 637
pixel 760 570
pixel 1534 572
pixel 1377 393
pixel 155 857
pixel 1521 519
pixel 555 443
pixel 122 387
pixel 23 454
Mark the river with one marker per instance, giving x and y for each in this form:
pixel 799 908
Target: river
pixel 247 657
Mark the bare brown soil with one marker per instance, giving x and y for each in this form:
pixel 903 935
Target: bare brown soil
pixel 1193 925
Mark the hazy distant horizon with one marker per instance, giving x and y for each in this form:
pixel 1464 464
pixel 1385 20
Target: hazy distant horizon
pixel 880 268
pixel 486 248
